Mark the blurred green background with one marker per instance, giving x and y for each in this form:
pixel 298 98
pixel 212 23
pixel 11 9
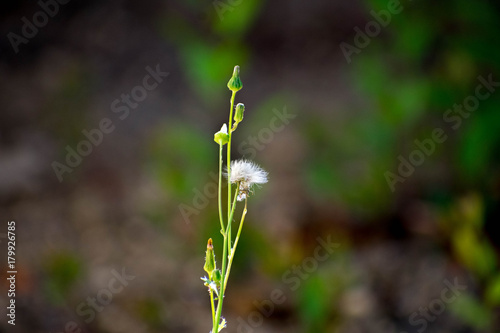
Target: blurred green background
pixel 343 100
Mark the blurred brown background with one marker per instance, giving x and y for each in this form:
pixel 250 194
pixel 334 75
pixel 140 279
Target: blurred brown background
pixel 374 119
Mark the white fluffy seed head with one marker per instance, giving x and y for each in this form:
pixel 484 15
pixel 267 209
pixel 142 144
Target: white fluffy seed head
pixel 243 171
pixel 247 174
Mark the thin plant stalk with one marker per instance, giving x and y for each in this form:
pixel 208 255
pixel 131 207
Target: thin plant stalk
pixel 213 306
pixel 230 131
pixel 231 256
pixel 224 268
pixel 221 295
pixel 227 232
pixel 221 216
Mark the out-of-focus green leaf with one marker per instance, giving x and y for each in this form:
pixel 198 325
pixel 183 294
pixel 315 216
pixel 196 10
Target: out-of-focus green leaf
pixel 398 102
pixel 180 156
pixel 476 255
pixel 492 293
pixel 313 303
pixel 349 166
pixel 480 141
pixel 209 66
pixel 410 42
pixel 470 311
pixel 471 210
pixel 63 270
pixel 234 18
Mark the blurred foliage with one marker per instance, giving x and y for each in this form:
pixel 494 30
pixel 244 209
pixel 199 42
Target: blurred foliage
pixel 463 225
pixel 423 76
pixel 180 158
pixel 468 309
pixel 408 76
pixel 63 271
pixel 206 49
pixel 314 304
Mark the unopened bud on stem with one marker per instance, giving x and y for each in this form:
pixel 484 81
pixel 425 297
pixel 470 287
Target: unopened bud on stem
pixel 234 83
pixel 209 259
pixel 222 137
pixel 238 115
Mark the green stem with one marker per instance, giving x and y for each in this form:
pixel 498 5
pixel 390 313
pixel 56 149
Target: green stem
pixel 228 230
pixel 231 217
pixel 230 209
pixel 224 277
pixel 229 158
pixel 221 294
pixel 231 256
pixel 213 306
pixel 227 240
pixel 221 218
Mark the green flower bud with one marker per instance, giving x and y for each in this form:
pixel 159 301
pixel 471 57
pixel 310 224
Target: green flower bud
pixel 238 115
pixel 221 137
pixel 234 83
pixel 217 276
pixel 209 259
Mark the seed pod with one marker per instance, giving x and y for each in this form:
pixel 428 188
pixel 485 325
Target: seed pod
pixel 238 114
pixel 234 83
pixel 209 259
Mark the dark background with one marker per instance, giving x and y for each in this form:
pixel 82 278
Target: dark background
pixel 355 120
